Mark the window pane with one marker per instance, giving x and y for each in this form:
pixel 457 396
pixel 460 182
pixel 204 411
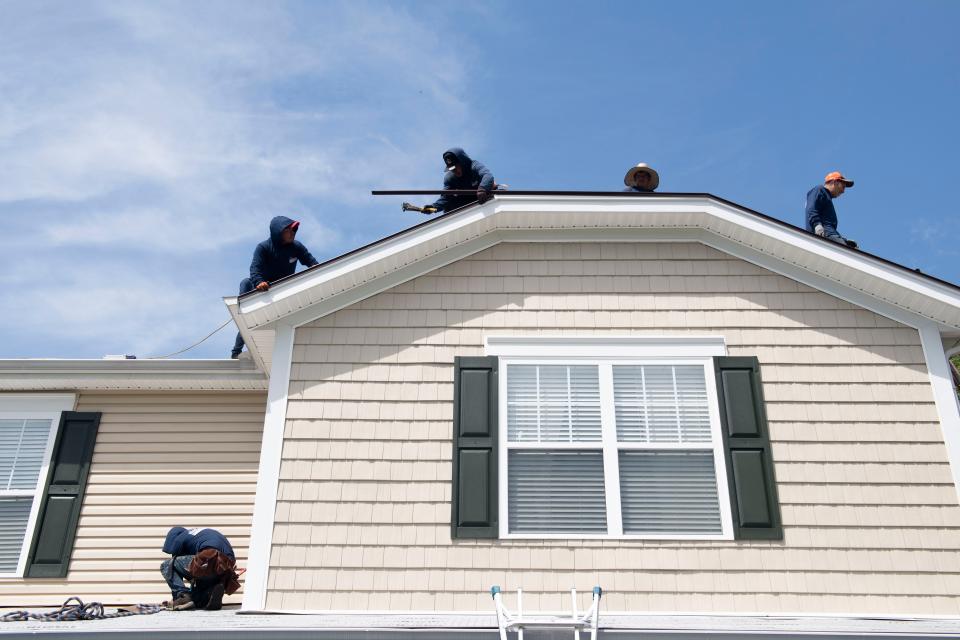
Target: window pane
pixel 556 492
pixel 14 513
pixel 553 403
pixel 666 492
pixel 22 444
pixel 661 403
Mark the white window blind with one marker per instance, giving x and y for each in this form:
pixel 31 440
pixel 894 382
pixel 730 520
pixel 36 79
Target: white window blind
pixel 553 403
pixel 14 515
pixel 556 491
pixel 669 492
pixel 23 444
pixel 661 403
pixel 580 433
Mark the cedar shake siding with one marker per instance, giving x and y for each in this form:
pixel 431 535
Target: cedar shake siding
pixel 870 515
pixel 160 459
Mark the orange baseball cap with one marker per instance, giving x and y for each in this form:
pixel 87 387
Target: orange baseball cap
pixel 836 175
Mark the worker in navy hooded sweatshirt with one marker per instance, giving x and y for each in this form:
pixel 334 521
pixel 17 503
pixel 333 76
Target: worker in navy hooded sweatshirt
pixel 183 544
pixel 463 173
pixel 274 259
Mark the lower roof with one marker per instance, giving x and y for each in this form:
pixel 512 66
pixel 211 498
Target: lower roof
pixel 130 375
pixel 230 625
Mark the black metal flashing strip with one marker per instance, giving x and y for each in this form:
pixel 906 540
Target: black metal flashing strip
pixel 603 194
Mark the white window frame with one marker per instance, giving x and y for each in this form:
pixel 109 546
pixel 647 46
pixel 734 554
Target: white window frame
pixel 604 352
pixel 34 407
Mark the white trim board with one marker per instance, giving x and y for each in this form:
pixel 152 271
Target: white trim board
pixel 37 402
pixel 622 219
pixel 268 474
pixel 944 396
pixel 709 238
pixel 606 346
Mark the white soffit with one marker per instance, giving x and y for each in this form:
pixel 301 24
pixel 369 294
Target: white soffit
pixel 130 375
pixel 506 218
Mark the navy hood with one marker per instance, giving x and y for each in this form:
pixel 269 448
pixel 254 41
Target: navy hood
pixel 463 160
pixel 277 225
pixel 177 537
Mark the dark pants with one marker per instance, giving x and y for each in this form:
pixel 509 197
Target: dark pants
pixel 176 570
pixel 246 286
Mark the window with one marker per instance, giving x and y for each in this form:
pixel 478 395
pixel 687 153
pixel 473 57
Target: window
pixel 27 429
pixel 611 447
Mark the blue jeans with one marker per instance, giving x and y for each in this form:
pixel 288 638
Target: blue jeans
pixel 246 286
pixel 174 571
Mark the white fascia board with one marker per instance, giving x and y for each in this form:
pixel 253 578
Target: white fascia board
pixel 233 306
pixel 511 228
pixel 606 346
pixel 709 238
pixel 80 375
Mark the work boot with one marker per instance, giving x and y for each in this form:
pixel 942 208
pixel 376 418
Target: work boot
pixel 234 355
pixel 182 602
pixel 216 598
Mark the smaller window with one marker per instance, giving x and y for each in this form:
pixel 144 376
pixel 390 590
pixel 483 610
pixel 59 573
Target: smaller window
pixel 26 440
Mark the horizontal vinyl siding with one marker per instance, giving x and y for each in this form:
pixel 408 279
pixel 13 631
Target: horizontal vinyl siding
pixel 161 459
pixel 870 514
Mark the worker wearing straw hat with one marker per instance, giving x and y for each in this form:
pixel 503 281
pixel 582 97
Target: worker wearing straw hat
pixel 641 179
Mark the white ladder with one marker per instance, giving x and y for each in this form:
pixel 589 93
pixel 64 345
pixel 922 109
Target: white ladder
pixel 508 621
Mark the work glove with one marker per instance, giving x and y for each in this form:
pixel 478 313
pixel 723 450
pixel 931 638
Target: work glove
pixel 819 231
pixel 483 195
pixel 263 286
pixel 428 209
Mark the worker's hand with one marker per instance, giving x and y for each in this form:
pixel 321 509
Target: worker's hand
pixel 819 231
pixel 263 286
pixel 483 195
pixel 429 209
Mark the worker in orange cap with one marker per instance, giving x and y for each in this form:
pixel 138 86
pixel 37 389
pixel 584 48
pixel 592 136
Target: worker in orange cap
pixel 821 216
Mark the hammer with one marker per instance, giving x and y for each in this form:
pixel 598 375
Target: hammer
pixel 406 206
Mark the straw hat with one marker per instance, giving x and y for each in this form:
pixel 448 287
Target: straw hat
pixel 643 166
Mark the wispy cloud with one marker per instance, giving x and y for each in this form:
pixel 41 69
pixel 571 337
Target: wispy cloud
pixel 156 139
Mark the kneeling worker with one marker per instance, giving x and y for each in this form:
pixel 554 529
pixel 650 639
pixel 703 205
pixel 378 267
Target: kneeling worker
pixel 821 215
pixel 273 259
pixel 463 173
pixel 642 179
pixel 206 559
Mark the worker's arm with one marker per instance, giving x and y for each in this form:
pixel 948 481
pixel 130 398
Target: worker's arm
pixel 486 178
pixel 813 211
pixel 257 268
pixel 306 258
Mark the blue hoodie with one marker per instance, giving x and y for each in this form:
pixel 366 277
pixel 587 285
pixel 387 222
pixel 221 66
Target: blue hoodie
pixel 475 176
pixel 183 542
pixel 273 260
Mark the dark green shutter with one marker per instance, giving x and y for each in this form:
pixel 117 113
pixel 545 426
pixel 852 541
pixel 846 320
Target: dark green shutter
pixel 746 440
pixel 63 495
pixel 475 424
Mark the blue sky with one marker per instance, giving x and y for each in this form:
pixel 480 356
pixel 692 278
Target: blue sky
pixel 145 146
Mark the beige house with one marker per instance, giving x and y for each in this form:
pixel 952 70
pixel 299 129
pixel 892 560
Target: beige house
pixel 695 406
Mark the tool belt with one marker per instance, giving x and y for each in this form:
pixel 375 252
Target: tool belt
pixel 211 564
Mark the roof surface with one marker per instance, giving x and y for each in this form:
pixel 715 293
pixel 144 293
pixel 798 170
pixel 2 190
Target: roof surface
pixel 230 625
